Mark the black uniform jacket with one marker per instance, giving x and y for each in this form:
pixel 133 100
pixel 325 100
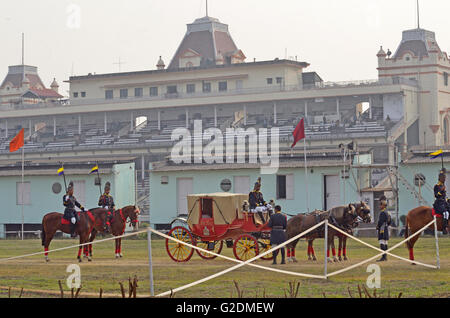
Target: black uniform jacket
pixel 70 202
pixel 440 193
pixel 384 221
pixel 106 200
pixel 255 198
pixel 277 223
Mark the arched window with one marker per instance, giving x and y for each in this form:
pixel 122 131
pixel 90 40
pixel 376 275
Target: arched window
pixel 189 65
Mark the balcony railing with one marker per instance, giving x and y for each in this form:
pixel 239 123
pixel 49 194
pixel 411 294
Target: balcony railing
pixel 241 91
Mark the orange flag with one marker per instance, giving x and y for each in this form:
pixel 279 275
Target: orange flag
pixel 17 142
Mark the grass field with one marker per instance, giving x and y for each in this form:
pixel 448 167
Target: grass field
pixel 40 279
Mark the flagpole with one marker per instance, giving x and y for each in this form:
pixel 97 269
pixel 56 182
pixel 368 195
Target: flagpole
pixel 99 180
pixel 23 159
pixel 306 174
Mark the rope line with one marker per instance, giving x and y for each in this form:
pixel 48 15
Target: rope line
pixel 379 250
pixel 236 260
pixel 387 251
pixel 238 265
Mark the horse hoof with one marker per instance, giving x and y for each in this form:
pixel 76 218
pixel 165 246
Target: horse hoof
pixel 413 264
pixel 89 259
pixel 294 260
pixel 345 259
pixel 117 256
pixel 120 255
pixel 47 260
pixel 340 259
pixel 80 260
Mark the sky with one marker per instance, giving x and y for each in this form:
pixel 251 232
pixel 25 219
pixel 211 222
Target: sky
pixel 339 38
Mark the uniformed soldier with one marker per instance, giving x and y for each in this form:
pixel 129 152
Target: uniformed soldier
pixel 106 201
pixel 384 221
pixel 440 204
pixel 70 214
pixel 278 223
pixel 256 201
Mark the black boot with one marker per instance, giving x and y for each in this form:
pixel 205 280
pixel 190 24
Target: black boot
pixel 383 258
pixel 275 254
pixel 282 256
pixel 72 230
pixel 385 255
pixel 444 226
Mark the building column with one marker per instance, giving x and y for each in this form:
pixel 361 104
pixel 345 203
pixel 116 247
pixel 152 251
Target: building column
pixel 6 128
pixel 79 124
pixel 274 113
pixel 245 115
pixel 143 168
pixel 54 126
pixel 215 116
pixel 132 126
pixel 106 124
pixel 187 118
pixel 370 107
pixel 337 109
pixel 306 112
pixel 30 129
pixel 159 120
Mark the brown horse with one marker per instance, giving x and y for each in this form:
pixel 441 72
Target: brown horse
pixel 118 224
pixel 345 217
pixel 89 220
pixel 415 220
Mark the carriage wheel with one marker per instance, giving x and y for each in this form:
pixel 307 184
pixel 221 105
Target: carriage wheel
pixel 177 251
pixel 264 245
pixel 245 247
pixel 218 245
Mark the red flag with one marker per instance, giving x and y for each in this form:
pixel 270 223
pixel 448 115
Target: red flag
pixel 17 142
pixel 299 132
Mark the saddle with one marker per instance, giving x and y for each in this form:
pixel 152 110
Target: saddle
pixel 436 214
pixel 67 222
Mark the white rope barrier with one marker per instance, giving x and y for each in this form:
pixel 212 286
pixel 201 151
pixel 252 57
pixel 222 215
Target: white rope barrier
pixel 384 252
pixel 239 265
pixel 379 250
pixel 72 246
pixel 239 261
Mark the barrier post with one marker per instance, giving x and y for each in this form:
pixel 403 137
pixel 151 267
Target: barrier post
pixel 150 264
pixel 438 261
pixel 326 249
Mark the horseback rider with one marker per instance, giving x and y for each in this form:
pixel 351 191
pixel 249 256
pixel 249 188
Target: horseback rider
pixel 278 224
pixel 440 204
pixel 256 201
pixel 107 201
pixel 384 221
pixel 70 214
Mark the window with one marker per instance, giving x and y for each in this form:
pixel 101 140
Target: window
pixel 153 91
pixel 445 78
pixel 172 89
pixel 124 93
pixel 83 94
pixel 138 92
pixel 285 187
pixel 164 180
pixel 75 95
pixel 109 94
pixel 206 87
pixel 270 81
pixel 279 80
pixel 190 88
pixel 207 208
pixel 23 193
pixel 223 86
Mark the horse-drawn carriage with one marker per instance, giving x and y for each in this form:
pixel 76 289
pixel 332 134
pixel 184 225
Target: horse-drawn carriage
pixel 215 218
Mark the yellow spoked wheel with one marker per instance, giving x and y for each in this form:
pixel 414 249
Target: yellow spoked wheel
pixel 245 247
pixel 264 245
pixel 177 251
pixel 218 245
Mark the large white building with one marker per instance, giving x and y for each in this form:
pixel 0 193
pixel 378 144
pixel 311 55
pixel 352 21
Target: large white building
pixel 132 114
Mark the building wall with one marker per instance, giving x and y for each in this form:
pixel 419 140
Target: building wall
pixel 43 200
pixel 163 197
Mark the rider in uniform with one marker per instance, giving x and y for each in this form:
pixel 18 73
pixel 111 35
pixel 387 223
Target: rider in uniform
pixel 107 201
pixel 278 223
pixel 440 204
pixel 70 214
pixel 384 220
pixel 256 201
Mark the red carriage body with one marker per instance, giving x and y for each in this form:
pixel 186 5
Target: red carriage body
pixel 218 217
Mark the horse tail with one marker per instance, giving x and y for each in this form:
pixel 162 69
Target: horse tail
pixel 43 232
